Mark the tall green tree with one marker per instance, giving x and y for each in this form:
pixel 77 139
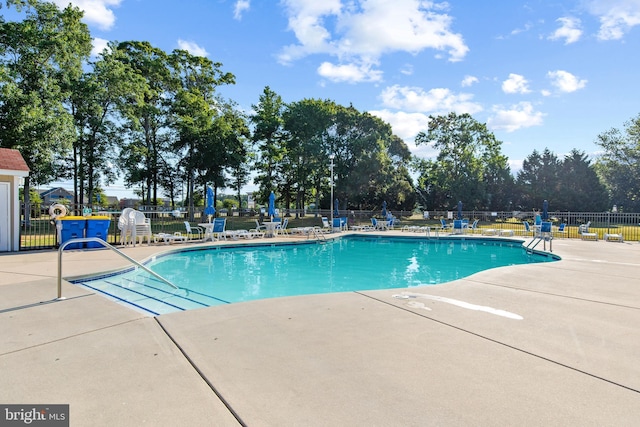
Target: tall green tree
pixel 236 136
pixel 469 166
pixel 580 187
pixel 570 184
pixel 269 142
pixel 147 118
pixel 619 164
pixel 224 146
pixel 96 100
pixel 172 177
pixel 307 124
pixel 39 57
pixel 371 162
pixel 538 180
pixel 194 107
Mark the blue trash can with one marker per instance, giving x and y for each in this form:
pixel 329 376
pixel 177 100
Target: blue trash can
pixel 97 226
pixel 71 227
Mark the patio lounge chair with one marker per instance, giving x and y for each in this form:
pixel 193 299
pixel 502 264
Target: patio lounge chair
pixel 193 231
pixel 489 231
pixel 305 231
pixel 584 228
pixel 253 233
pixel 234 234
pixel 613 237
pixel 169 238
pixel 585 234
pixel 360 227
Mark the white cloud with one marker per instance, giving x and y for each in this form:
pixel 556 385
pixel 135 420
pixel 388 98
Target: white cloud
pixel 407 70
pixel 515 165
pixel 192 48
pixel 565 81
pixel 617 17
pixel 98 46
pixel 468 81
pixel 569 30
pixel 350 73
pixel 515 84
pixel 306 21
pixel 240 7
pixel 96 12
pixel 521 115
pixel 438 100
pixel 407 126
pixel 528 26
pixel 361 31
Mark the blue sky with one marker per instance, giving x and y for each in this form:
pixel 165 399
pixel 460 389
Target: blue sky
pixel 540 73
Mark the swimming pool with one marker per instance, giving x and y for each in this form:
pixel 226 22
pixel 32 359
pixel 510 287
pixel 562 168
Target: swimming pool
pixel 228 274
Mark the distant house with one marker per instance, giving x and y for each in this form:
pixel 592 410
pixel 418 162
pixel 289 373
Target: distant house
pixel 129 203
pixel 113 202
pixel 56 195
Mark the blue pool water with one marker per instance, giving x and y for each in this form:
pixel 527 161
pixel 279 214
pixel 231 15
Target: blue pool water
pixel 222 275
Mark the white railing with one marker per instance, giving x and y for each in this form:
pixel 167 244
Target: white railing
pixel 106 245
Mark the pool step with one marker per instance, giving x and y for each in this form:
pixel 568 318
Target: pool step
pixel 149 295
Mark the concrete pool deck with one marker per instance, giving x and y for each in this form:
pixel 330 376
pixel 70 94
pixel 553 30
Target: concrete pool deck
pixel 441 355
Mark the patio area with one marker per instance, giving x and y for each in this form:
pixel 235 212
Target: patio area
pixel 405 357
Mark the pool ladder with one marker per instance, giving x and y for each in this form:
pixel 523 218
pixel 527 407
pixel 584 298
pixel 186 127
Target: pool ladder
pixel 536 240
pixel 108 246
pixel 317 234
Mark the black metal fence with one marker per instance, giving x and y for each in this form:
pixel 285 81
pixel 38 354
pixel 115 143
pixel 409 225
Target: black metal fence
pixel 39 230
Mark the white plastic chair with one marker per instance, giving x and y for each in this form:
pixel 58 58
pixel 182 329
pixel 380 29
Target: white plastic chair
pixel 326 227
pixel 282 227
pixel 191 230
pixel 141 227
pixel 260 227
pixel 124 225
pixel 474 226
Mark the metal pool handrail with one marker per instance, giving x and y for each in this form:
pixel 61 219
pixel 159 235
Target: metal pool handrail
pixel 106 245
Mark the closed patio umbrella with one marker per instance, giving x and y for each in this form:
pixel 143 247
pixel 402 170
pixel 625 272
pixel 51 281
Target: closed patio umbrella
pixel 210 210
pixel 336 210
pixel 459 209
pixel 545 210
pixel 272 205
pixel 384 209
